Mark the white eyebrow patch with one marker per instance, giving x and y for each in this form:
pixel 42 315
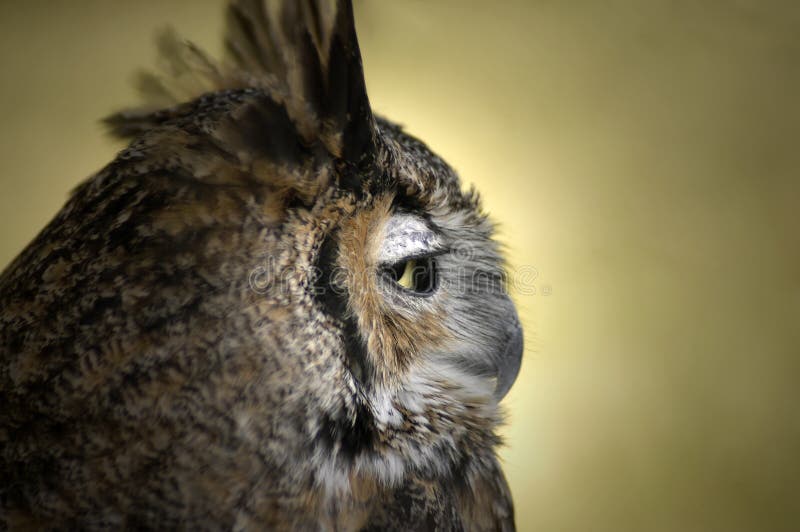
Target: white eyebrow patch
pixel 407 236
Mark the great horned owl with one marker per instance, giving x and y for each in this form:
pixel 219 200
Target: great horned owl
pixel 273 310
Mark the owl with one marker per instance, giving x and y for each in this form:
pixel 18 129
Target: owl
pixel 274 310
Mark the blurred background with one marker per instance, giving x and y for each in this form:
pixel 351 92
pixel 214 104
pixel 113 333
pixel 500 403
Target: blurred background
pixel 641 159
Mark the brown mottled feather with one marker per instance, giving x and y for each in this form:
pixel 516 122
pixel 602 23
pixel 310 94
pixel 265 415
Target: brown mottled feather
pixel 177 351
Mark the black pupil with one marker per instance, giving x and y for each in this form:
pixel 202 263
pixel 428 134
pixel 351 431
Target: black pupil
pixel 422 275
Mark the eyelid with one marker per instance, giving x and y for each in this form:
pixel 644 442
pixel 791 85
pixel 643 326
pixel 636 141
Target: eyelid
pixel 408 236
pixel 437 252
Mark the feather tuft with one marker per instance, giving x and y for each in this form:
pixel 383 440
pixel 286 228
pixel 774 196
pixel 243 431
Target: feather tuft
pixel 302 54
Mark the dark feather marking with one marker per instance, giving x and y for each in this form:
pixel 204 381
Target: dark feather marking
pixel 312 72
pixel 249 25
pixel 335 105
pixel 316 20
pixel 335 303
pixel 358 126
pixel 246 27
pixel 352 437
pixel 266 128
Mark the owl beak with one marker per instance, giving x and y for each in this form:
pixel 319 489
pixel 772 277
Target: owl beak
pixel 510 361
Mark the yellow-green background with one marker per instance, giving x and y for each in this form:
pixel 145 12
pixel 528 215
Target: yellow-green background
pixel 641 155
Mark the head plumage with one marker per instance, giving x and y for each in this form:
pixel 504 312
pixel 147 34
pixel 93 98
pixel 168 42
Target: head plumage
pixel 300 57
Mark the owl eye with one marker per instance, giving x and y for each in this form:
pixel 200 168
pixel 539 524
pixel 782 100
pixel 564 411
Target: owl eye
pixel 413 275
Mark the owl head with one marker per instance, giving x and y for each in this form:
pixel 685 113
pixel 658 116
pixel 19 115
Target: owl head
pixel 373 278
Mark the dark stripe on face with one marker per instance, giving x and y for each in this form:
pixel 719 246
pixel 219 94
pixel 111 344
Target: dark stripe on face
pixel 332 295
pixel 351 436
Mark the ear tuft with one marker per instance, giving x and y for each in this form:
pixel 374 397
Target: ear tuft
pixel 310 49
pixel 302 54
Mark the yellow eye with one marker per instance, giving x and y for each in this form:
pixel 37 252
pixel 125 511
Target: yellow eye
pixel 414 275
pixel 406 279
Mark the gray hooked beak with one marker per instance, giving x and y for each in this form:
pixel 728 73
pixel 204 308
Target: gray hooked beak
pixel 509 362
